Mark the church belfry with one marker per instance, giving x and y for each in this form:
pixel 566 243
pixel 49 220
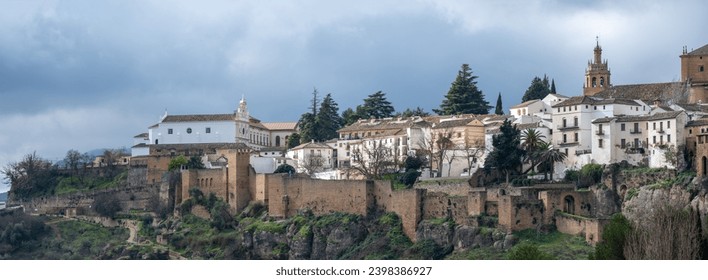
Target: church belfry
pixel 597 75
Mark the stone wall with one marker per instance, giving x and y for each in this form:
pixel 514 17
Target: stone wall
pixel 206 180
pixel 517 213
pixel 129 198
pixel 590 228
pixel 442 205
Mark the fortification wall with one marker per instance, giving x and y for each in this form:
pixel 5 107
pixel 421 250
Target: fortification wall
pixel 129 198
pixel 517 213
pixel 321 196
pixel 206 180
pixel 442 205
pixel 591 229
pixel 443 186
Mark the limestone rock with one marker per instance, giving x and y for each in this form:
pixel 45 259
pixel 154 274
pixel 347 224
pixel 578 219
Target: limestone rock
pixel 440 233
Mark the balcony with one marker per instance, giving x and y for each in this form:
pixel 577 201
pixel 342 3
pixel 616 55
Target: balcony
pixel 569 127
pixel 582 152
pixel 600 132
pixel 636 131
pixel 634 151
pixel 565 144
pixel 661 131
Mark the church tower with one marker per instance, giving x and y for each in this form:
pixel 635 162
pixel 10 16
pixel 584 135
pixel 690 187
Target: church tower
pixel 242 122
pixel 597 75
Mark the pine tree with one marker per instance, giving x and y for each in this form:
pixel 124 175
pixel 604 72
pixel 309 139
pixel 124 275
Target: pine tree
pixel 464 97
pixel 499 110
pixel 376 106
pixel 420 112
pixel 349 117
pixel 538 89
pixel 307 123
pixel 328 119
pixel 507 153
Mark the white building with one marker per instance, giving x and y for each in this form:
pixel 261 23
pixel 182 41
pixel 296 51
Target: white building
pixel 572 121
pixel 238 127
pixel 312 157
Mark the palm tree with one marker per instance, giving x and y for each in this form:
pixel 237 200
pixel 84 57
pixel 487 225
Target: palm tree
pixel 551 156
pixel 531 140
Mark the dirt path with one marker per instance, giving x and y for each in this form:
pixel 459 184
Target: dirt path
pixel 132 227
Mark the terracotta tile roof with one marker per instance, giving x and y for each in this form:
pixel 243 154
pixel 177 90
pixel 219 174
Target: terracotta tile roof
pixel 452 123
pixel 594 100
pixel 694 107
pixel 281 125
pixel 527 103
pixel 235 146
pixel 698 122
pixel 625 118
pixel 312 145
pixel 646 92
pixel 198 118
pixel 141 135
pixel 700 51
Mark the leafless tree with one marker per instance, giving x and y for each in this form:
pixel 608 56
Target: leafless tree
pixel 313 164
pixel 372 161
pixel 668 234
pixel 473 152
pixel 426 145
pixel 443 144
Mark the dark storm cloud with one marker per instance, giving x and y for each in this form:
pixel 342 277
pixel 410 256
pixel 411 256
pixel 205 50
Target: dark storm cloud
pixel 89 74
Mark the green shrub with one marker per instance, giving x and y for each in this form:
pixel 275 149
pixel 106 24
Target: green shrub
pixel 613 239
pixel 527 251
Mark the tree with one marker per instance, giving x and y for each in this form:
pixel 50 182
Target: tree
pixel 293 140
pixel 614 236
pixel 32 175
pixel 195 162
pixel 443 145
pixel 308 121
pixel 473 152
pixel 498 110
pixel 420 112
pixel 375 106
pixel 531 139
pixel 106 205
pixel 507 153
pixel 550 156
pixel 553 86
pixel 111 157
pixel 177 163
pixel 371 160
pixel 77 163
pixel 328 119
pixel 312 164
pixel 537 90
pixel 285 168
pixel 349 116
pixel 463 97
pixel 527 251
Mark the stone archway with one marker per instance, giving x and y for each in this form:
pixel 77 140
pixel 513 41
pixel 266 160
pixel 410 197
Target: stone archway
pixel 569 204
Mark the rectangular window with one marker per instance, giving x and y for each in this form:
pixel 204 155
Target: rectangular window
pixel 661 139
pixel 623 144
pixel 565 139
pixel 654 139
pixel 622 127
pixel 668 137
pixel 636 142
pixel 668 124
pixel 653 126
pixel 599 143
pixel 208 130
pixel 576 137
pixel 169 131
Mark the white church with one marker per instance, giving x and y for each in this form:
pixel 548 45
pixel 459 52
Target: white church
pixel 238 127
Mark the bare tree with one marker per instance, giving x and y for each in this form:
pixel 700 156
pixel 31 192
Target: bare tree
pixel 426 146
pixel 443 144
pixel 312 164
pixel 372 161
pixel 30 176
pixel 474 151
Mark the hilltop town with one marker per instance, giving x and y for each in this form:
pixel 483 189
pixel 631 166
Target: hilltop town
pixel 462 177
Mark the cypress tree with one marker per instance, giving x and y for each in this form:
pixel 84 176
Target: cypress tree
pixel 499 110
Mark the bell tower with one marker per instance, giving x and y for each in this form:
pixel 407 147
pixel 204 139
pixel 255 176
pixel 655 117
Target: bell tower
pixel 597 75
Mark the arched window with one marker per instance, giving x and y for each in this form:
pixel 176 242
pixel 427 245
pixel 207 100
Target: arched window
pixel 594 82
pixel 155 141
pixel 602 81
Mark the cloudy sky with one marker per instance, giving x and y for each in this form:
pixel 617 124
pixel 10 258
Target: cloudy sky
pixel 85 74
